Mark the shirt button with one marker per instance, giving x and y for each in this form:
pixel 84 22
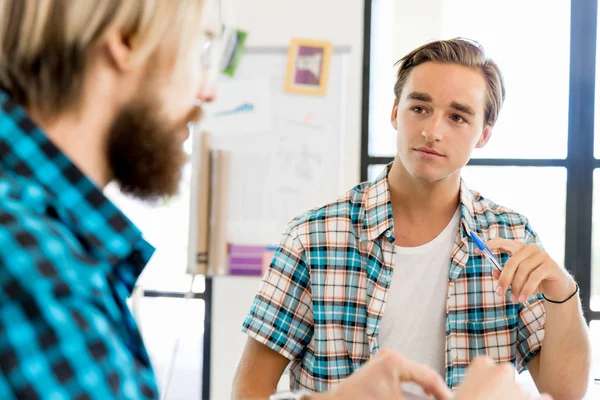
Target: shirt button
pixel 388 278
pixel 369 331
pixel 388 234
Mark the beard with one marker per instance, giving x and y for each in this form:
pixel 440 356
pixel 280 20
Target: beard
pixel 145 150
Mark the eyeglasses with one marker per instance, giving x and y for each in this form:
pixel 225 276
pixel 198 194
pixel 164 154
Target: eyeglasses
pixel 210 62
pixel 206 57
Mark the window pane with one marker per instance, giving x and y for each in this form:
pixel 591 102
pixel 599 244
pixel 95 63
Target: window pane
pixel 520 189
pixel 374 170
pixel 173 331
pixel 382 136
pixel 597 102
pixel 595 298
pixel 533 88
pixel 521 127
pixel 595 342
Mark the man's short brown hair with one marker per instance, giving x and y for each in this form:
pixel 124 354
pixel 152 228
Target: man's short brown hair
pixel 465 52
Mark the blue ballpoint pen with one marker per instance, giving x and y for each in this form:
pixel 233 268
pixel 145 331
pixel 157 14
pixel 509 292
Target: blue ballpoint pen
pixel 487 253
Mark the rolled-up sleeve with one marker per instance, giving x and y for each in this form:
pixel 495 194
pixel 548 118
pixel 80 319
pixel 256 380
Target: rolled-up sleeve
pixel 281 316
pixel 532 323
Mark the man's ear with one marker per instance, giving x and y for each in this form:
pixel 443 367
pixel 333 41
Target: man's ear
pixel 395 115
pixel 119 50
pixel 485 137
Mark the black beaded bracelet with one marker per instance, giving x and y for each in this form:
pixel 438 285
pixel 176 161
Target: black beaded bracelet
pixel 564 301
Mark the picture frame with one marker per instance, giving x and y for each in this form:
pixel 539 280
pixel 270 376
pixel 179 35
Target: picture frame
pixel 308 67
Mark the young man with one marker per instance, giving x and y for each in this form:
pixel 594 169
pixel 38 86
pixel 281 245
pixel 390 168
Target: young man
pixel 392 264
pixel 89 95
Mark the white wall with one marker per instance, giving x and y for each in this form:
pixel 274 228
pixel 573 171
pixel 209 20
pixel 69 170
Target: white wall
pixel 231 302
pixel 276 22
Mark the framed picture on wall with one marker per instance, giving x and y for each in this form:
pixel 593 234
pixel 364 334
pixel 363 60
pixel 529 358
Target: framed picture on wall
pixel 308 67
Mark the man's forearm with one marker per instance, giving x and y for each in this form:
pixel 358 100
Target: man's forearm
pixel 565 356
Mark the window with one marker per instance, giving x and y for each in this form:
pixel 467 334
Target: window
pixel 543 144
pixel 549 183
pixel 533 56
pixel 595 297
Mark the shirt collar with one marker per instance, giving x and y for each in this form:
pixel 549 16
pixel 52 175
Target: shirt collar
pixel 26 151
pixel 378 218
pixel 467 204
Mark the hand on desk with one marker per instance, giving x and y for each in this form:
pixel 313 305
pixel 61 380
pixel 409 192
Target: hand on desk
pixel 487 380
pixel 381 378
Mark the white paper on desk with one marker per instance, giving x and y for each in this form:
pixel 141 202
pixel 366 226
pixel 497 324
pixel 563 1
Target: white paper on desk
pixel 412 391
pixel 242 106
pixel 410 396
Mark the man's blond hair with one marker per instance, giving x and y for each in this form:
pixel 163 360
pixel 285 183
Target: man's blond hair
pixel 460 51
pixel 45 44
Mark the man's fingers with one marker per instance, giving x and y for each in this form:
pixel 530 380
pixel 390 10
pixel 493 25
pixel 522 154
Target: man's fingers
pixel 511 247
pixel 506 277
pixel 427 378
pixel 496 274
pixel 532 284
pixel 506 370
pixel 524 272
pixel 513 264
pixel 405 370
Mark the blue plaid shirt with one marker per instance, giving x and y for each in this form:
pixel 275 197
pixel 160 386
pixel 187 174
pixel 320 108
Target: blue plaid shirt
pixel 68 261
pixel 321 302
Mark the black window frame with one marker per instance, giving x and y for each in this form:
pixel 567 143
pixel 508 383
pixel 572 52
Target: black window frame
pixel 580 162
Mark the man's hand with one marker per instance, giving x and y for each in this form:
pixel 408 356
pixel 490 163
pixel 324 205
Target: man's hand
pixel 486 380
pixel 381 378
pixel 530 270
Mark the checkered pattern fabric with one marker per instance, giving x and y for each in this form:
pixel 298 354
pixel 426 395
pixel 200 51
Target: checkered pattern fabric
pixel 68 261
pixel 321 302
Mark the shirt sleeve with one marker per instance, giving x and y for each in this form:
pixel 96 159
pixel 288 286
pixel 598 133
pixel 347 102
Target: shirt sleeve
pixel 5 390
pixel 532 323
pixel 58 338
pixel 281 316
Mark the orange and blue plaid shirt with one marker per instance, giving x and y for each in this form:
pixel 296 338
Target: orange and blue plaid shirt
pixel 321 302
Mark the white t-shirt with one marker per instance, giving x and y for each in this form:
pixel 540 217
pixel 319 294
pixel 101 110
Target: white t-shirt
pixel 414 319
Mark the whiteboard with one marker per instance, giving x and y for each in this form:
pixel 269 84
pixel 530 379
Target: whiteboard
pixel 287 153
